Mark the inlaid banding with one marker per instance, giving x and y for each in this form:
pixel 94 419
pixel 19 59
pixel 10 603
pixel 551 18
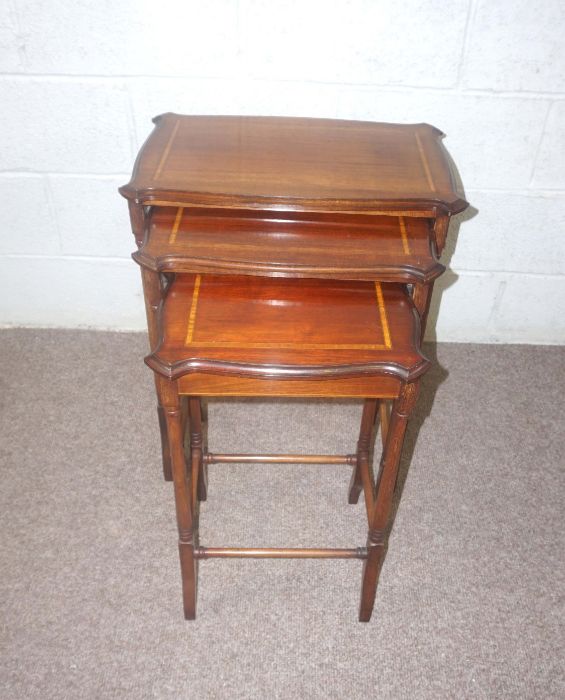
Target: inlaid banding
pixel 425 164
pixel 382 311
pixel 176 225
pixel 167 150
pixel 404 235
pixel 192 315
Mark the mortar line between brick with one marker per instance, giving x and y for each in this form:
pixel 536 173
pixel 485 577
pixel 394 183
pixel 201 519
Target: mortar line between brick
pixel 53 210
pixel 528 191
pixel 39 173
pixel 521 191
pixel 66 258
pixel 450 90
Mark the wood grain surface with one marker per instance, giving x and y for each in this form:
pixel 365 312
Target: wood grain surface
pixel 271 328
pixel 289 163
pixel 387 248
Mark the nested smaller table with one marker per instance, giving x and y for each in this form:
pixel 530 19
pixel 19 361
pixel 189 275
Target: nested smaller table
pixel 287 244
pixel 246 335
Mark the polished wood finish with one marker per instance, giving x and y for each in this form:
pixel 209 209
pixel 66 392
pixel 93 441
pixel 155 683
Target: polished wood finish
pixel 339 216
pixel 385 248
pixel 379 515
pixel 170 401
pixel 200 384
pixel 361 478
pixel 153 295
pixel 278 553
pixel 272 328
pixel 277 330
pixel 384 416
pixel 299 164
pixel 214 458
pixel 198 469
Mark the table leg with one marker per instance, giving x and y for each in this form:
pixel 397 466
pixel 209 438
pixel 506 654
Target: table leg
pixel 363 447
pixel 169 400
pixel 153 293
pixel 422 296
pixel 390 460
pixel 199 475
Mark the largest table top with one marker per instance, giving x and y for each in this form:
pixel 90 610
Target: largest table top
pixel 294 164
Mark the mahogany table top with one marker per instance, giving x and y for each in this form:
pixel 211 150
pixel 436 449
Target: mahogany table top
pixel 299 164
pixel 390 249
pixel 295 329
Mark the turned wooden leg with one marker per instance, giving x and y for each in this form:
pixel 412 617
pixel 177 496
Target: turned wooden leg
pixel 422 297
pixel 169 400
pixel 153 293
pixel 363 447
pixel 390 460
pixel 165 451
pixel 199 469
pixel 204 411
pixel 384 420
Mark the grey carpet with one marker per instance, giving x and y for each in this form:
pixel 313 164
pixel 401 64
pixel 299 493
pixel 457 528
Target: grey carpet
pixel 470 603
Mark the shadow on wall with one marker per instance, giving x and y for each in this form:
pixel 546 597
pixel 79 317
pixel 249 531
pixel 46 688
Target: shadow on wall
pixel 437 374
pixel 449 277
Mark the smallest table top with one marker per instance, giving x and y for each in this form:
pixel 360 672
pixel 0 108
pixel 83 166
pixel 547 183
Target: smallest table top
pixel 294 164
pixel 272 328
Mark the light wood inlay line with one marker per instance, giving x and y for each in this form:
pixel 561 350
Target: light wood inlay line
pixel 382 311
pixel 192 316
pixel 404 235
pixel 425 164
pixel 167 150
pixel 175 229
pixel 286 346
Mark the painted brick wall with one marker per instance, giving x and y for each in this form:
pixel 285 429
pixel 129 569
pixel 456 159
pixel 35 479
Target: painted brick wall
pixel 80 81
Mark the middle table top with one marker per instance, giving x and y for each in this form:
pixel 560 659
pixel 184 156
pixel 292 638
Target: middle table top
pixel 386 248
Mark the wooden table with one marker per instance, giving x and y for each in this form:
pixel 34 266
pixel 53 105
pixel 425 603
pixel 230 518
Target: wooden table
pixel 231 335
pixel 292 198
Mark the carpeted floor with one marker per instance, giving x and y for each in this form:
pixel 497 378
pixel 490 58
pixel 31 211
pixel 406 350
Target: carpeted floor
pixel 470 603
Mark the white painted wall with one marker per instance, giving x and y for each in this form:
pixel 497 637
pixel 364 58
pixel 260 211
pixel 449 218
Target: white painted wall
pixel 80 81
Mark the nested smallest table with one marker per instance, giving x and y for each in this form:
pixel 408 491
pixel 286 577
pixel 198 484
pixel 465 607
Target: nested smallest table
pixel 245 335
